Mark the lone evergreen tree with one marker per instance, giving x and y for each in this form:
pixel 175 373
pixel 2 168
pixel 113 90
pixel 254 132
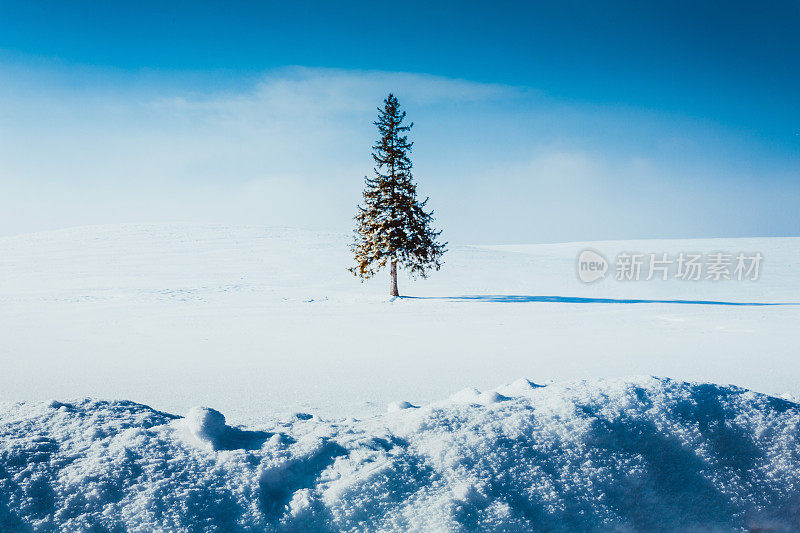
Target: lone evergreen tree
pixel 393 226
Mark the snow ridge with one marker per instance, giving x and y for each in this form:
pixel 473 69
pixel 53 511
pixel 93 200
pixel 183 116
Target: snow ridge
pixel 635 454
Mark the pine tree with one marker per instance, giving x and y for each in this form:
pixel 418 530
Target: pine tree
pixel 393 226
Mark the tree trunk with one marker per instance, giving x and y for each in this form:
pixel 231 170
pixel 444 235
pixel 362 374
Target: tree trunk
pixel 393 278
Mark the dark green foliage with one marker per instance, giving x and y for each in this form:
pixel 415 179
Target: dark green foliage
pixel 393 225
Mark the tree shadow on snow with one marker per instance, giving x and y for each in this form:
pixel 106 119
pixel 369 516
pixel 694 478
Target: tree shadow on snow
pixel 516 298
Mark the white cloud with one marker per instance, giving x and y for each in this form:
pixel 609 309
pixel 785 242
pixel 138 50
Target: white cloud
pixel 296 143
pixel 502 164
pixel 330 91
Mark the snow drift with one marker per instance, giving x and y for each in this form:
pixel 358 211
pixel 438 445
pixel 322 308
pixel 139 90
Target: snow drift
pixel 637 454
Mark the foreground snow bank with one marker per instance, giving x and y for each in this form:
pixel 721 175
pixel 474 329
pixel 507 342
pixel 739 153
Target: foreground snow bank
pixel 636 454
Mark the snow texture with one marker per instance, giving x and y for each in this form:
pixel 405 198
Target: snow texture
pixel 268 320
pixel 636 454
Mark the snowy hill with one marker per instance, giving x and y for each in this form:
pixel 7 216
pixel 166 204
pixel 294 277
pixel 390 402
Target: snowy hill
pixel 642 454
pixel 264 322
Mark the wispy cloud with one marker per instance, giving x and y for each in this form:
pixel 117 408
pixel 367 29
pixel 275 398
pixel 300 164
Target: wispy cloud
pixel 73 156
pixel 502 163
pixel 324 90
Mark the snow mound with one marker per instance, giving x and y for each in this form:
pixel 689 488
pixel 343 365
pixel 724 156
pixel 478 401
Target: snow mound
pixel 474 396
pixel 399 406
pixel 519 387
pixel 207 426
pixel 636 454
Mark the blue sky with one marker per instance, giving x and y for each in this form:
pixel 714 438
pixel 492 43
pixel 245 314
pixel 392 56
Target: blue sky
pixel 535 123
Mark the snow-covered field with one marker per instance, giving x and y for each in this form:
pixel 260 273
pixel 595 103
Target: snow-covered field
pixel 257 322
pixel 268 327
